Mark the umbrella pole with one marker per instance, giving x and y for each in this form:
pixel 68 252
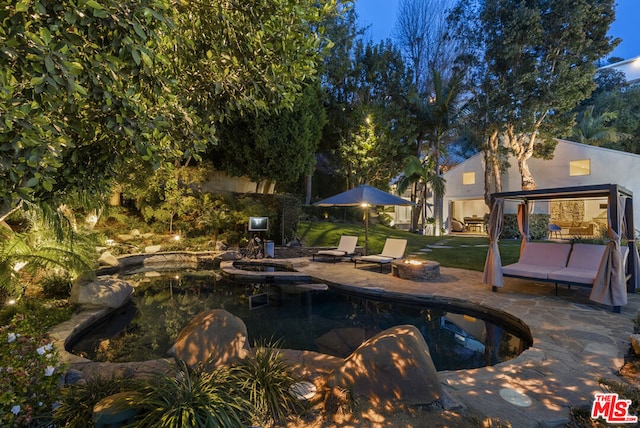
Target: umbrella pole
pixel 366 230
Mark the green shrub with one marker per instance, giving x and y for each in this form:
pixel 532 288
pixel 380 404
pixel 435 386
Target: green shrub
pixel 538 227
pixel 30 372
pixel 75 407
pixel 56 286
pixel 35 315
pixel 192 398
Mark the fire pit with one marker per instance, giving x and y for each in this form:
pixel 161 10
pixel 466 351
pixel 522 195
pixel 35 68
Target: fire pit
pixel 415 270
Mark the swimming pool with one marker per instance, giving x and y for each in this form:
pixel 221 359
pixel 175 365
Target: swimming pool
pixel 333 322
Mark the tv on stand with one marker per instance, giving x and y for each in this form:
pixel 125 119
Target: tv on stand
pixel 258 224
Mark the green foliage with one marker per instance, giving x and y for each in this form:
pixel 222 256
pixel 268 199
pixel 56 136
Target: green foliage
pixel 367 88
pixel 278 147
pixel 192 398
pixel 36 315
pixel 239 58
pixel 265 378
pixel 23 255
pixel 30 371
pixel 536 63
pixel 538 227
pixel 596 129
pixel 82 79
pixel 56 286
pixel 624 101
pixel 90 90
pixel 76 402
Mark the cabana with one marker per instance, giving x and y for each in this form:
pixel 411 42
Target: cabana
pixel 610 287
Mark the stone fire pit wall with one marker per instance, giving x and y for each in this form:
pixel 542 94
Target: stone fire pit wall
pixel 417 270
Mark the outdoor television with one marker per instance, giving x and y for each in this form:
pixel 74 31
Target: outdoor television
pixel 258 224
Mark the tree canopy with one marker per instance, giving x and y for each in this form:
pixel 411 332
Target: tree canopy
pixel 279 147
pixel 88 88
pixel 536 64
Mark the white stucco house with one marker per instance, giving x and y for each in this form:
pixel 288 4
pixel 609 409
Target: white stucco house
pixel 573 164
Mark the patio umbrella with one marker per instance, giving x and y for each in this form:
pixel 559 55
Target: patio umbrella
pixel 364 196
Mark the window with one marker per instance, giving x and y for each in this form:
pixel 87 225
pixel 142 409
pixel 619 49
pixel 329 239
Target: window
pixel 580 167
pixel 468 178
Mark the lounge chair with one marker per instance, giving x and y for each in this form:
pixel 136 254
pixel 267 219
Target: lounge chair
pixel 346 247
pixel 393 249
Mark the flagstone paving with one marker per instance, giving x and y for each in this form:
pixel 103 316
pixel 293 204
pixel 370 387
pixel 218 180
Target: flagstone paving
pixel 576 342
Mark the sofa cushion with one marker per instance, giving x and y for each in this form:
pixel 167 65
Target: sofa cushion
pixel 586 256
pixel 581 276
pixel 528 270
pixel 545 254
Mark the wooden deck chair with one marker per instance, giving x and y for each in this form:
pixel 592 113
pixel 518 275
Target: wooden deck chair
pixel 393 249
pixel 346 247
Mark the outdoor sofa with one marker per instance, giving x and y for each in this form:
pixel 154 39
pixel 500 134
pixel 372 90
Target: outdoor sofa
pixel 570 264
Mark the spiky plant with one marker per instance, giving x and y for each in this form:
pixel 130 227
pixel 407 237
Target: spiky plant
pixel 192 398
pixel 76 402
pixel 265 379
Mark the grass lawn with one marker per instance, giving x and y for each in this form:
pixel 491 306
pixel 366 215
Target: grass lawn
pixel 464 252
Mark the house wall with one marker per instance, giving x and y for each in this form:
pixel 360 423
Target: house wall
pixel 219 182
pixel 630 68
pixel 607 167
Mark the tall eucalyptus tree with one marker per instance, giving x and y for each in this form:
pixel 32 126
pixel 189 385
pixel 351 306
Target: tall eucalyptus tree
pixel 536 63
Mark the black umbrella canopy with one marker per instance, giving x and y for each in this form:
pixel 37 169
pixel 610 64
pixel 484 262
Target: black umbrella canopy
pixel 364 196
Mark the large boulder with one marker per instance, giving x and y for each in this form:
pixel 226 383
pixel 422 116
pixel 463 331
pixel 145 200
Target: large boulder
pixel 103 292
pixel 394 367
pixel 215 336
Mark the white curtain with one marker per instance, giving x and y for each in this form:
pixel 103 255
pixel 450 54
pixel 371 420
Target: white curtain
pixel 493 265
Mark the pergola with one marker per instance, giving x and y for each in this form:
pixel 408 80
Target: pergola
pixel 610 287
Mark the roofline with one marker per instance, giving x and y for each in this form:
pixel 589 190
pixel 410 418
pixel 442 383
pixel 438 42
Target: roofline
pixel 619 63
pixel 604 149
pixel 590 191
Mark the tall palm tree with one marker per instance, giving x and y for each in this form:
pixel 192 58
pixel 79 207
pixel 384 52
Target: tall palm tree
pixel 443 114
pixel 423 174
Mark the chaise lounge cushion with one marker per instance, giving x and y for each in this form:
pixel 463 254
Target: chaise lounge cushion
pixel 538 260
pixel 393 249
pixel 346 247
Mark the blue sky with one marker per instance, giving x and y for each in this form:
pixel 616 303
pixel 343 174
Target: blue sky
pixel 381 15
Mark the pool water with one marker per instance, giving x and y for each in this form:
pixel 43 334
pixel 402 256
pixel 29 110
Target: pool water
pixel 330 322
